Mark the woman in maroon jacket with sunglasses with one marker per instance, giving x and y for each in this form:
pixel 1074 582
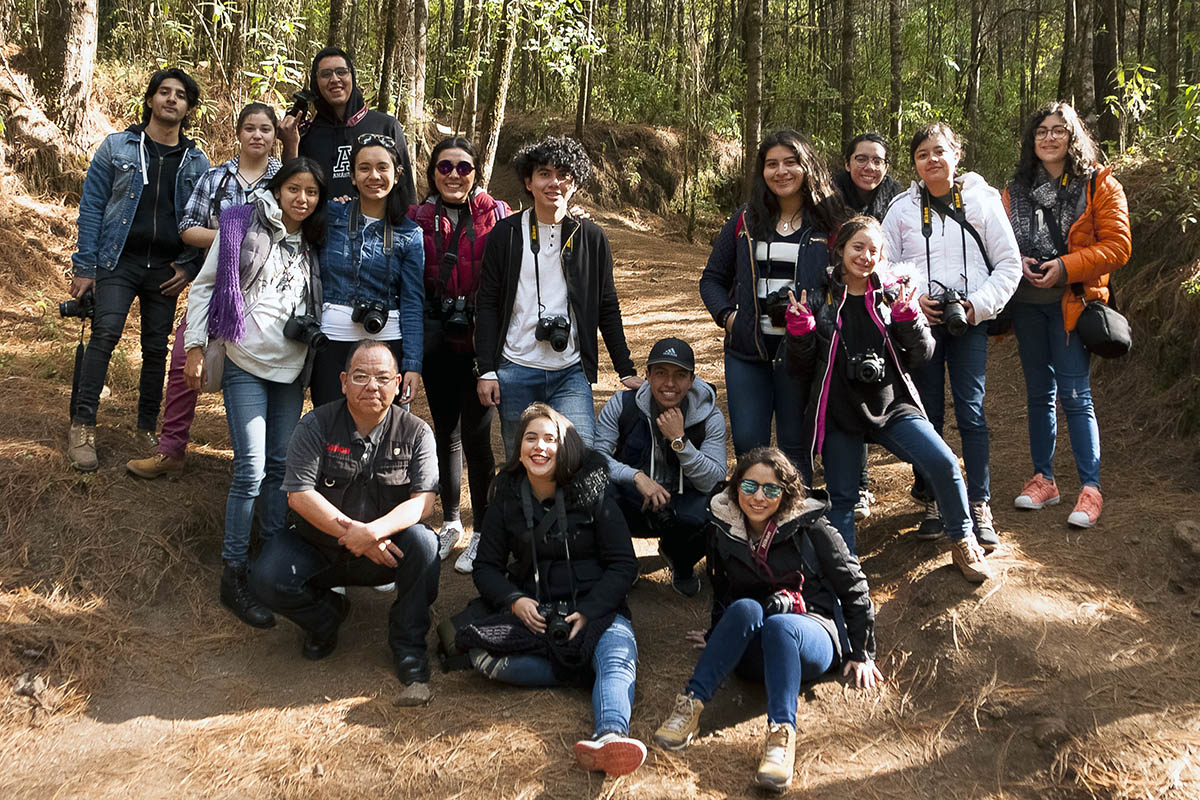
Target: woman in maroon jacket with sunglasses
pixel 456 218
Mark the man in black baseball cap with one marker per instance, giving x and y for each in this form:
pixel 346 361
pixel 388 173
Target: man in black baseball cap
pixel 665 445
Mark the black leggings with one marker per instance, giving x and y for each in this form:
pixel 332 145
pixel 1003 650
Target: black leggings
pixel 461 425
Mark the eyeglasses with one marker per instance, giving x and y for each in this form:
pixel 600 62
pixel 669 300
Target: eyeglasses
pixel 770 490
pixel 463 168
pixel 875 161
pixel 377 140
pixel 363 379
pixel 1057 132
pixel 326 74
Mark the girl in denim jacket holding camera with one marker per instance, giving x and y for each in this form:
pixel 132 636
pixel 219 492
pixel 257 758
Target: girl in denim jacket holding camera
pixel 456 219
pixel 778 241
pixel 371 268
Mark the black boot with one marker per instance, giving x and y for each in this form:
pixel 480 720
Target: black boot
pixel 238 598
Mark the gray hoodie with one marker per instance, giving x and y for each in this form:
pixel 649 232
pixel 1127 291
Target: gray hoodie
pixel 703 466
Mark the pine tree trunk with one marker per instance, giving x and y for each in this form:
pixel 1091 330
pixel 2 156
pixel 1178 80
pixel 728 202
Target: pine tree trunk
pixel 489 138
pixel 585 77
pixel 752 110
pixel 420 40
pixel 1172 54
pixel 975 60
pixel 236 59
pixel 847 70
pixel 1065 84
pixel 391 46
pixel 1104 65
pixel 69 59
pixel 337 24
pixel 897 55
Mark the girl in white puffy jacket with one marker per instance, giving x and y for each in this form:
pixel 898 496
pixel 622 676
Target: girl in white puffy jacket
pixel 955 231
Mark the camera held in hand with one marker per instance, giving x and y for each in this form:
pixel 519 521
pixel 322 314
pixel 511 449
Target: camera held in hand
pixel 307 331
pixel 868 368
pixel 661 520
pixel 775 304
pixel 954 315
pixel 778 603
pixel 83 308
pixel 555 612
pixel 301 100
pixel 555 330
pixel 373 315
pixel 455 314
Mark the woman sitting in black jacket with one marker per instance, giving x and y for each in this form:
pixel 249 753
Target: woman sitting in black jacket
pixel 778 571
pixel 561 606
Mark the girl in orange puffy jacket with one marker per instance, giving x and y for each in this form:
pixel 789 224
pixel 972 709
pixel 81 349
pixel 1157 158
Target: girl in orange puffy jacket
pixel 1072 226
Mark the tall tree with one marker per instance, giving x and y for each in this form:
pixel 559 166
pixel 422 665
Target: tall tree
pixel 69 58
pixel 493 119
pixel 847 70
pixel 752 108
pixel 337 23
pixel 1065 84
pixel 974 64
pixel 1104 67
pixel 1172 54
pixel 585 75
pixel 420 44
pixel 897 56
pixel 391 51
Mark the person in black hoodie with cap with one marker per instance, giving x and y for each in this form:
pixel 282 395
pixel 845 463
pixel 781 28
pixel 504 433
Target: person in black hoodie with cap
pixel 341 117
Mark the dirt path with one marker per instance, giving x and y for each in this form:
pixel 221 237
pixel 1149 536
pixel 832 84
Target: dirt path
pixel 1072 674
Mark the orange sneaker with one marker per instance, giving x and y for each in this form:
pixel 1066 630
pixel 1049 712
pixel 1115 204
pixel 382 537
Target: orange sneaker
pixel 1038 493
pixel 1087 508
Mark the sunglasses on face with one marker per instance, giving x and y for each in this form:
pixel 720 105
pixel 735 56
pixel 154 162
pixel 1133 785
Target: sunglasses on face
pixel 377 140
pixel 771 491
pixel 463 168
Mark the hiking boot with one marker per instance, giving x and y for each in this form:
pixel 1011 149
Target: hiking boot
pixel 862 509
pixel 237 596
pixel 678 729
pixel 611 753
pixel 968 556
pixel 466 562
pixel 154 466
pixel 146 440
pixel 931 526
pixel 779 758
pixel 1087 508
pixel 687 584
pixel 81 447
pixel 413 694
pixel 985 526
pixel 448 537
pixel 314 648
pixel 1038 492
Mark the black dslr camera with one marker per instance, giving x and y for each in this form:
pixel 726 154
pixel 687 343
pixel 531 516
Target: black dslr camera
pixel 306 330
pixel 372 314
pixel 866 368
pixel 954 316
pixel 555 612
pixel 301 100
pixel 776 304
pixel 455 314
pixel 83 308
pixel 555 330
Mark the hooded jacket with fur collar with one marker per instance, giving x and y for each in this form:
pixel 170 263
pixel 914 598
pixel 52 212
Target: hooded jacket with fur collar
pixel 602 561
pixel 807 555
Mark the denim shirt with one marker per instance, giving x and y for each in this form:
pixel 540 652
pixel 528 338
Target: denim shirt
pixel 397 280
pixel 109 200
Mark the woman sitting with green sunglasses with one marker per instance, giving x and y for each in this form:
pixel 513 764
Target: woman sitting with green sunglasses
pixel 778 570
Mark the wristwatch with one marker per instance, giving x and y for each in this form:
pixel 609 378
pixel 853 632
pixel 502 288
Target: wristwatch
pixel 678 444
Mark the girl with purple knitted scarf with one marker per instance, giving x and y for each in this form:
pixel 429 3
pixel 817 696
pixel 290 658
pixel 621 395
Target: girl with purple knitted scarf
pixel 260 281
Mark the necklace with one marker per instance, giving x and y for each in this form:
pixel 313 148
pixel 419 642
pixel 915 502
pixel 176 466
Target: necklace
pixel 246 181
pixel 787 224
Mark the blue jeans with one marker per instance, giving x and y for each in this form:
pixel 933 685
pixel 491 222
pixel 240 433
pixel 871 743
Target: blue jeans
pixel 759 390
pixel 262 415
pixel 565 390
pixel 1056 363
pixel 911 439
pixel 782 651
pixel 965 358
pixel 614 662
pixel 681 538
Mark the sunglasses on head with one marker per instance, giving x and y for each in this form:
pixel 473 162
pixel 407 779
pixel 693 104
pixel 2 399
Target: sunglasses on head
pixel 769 490
pixel 377 140
pixel 463 168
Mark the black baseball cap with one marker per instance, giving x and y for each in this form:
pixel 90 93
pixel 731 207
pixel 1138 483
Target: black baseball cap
pixel 672 351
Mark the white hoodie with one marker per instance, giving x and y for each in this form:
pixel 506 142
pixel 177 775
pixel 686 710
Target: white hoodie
pixel 985 212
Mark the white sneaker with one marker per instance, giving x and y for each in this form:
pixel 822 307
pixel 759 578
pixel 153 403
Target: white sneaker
pixel 385 588
pixel 466 562
pixel 339 590
pixel 448 537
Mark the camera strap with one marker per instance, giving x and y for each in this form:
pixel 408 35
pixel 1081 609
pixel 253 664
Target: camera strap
pixel 542 528
pixel 356 252
pixel 448 257
pixel 535 247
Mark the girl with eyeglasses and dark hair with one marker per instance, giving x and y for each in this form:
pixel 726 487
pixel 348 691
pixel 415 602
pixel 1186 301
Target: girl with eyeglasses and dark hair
pixel 371 268
pixel 456 218
pixel 260 277
pixel 865 184
pixel 778 572
pixel 1072 226
pixel 778 241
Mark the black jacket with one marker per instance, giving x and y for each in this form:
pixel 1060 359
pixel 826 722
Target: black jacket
pixel 602 558
pixel 874 206
pixel 805 545
pixel 590 291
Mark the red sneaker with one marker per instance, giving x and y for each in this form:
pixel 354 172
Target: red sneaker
pixel 610 753
pixel 1038 493
pixel 1087 508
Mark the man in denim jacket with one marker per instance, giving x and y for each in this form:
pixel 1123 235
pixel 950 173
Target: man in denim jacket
pixel 136 189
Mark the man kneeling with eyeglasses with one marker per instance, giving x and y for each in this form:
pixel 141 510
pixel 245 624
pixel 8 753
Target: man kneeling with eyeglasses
pixel 361 477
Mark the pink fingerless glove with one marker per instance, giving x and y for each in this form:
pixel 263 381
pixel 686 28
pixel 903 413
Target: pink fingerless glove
pixel 800 323
pixel 905 312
